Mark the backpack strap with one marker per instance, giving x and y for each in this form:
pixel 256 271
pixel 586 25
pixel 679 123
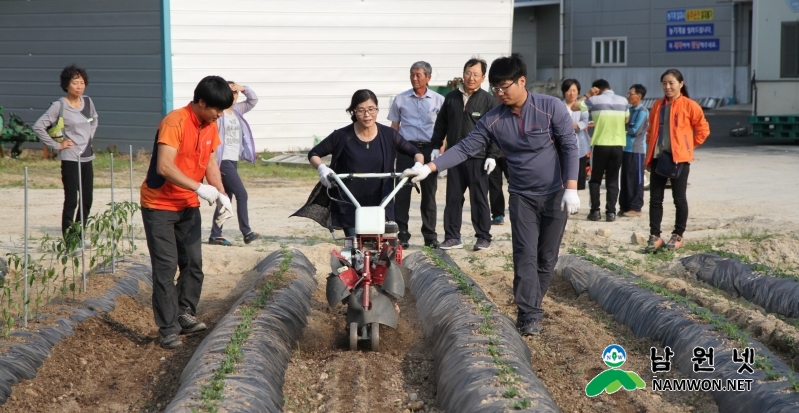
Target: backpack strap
pixel 87 110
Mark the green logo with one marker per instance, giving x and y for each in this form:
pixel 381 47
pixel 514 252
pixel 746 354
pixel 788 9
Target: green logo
pixel 612 380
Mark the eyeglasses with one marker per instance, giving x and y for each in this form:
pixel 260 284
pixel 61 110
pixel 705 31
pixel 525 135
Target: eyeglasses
pixel 468 75
pixel 371 111
pixel 502 89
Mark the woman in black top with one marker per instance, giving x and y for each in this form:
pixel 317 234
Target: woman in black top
pixel 365 146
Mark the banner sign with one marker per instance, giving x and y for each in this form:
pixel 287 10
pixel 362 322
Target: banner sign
pixel 692 45
pixel 690 30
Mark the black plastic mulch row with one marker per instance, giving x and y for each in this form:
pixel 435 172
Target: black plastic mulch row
pixel 775 295
pixel 257 383
pixel 22 360
pixel 466 376
pixel 658 318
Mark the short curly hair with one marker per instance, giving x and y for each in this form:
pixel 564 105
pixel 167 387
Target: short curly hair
pixel 70 72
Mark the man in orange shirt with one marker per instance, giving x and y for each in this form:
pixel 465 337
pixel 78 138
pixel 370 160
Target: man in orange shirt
pixel 183 154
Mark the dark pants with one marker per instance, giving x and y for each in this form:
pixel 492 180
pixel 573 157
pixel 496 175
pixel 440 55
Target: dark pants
pixel 605 161
pixel 69 177
pixel 657 187
pixel 495 195
pixel 631 194
pixel 235 189
pixel 537 225
pixel 173 238
pixel 582 174
pixel 402 201
pixel 470 175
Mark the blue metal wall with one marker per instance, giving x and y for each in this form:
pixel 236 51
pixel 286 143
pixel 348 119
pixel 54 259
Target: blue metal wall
pixel 118 42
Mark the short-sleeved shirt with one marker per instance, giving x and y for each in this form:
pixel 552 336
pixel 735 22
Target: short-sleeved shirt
pixel 232 147
pixel 416 115
pixel 195 142
pixel 608 111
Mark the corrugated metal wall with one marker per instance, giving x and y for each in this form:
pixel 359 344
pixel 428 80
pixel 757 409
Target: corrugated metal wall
pixel 119 44
pixel 305 58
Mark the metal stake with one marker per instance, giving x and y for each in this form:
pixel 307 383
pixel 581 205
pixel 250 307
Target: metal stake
pixel 25 299
pixel 113 222
pixel 82 228
pixel 132 236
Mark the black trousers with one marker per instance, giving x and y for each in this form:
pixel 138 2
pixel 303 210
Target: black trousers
pixel 495 195
pixel 402 201
pixel 69 177
pixel 537 225
pixel 657 187
pixel 470 175
pixel 582 174
pixel 173 238
pixel 605 161
pixel 235 190
pixel 631 193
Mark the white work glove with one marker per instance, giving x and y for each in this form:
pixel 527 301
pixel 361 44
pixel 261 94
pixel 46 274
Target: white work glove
pixel 490 164
pixel 435 153
pixel 570 202
pixel 418 172
pixel 225 209
pixel 324 172
pixel 208 193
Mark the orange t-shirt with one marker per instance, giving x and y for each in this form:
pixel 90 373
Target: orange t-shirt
pixel 195 142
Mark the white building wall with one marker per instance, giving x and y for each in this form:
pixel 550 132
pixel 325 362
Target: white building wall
pixel 305 58
pixel 775 96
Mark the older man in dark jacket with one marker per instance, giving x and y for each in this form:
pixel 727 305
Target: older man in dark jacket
pixel 461 110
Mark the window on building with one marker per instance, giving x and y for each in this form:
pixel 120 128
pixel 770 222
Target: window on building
pixel 609 51
pixel 789 50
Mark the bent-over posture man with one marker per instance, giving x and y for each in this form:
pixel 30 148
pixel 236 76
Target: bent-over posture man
pixel 537 136
pixel 183 154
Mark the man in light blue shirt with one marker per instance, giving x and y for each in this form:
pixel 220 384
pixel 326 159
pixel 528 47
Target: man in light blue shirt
pixel 413 113
pixel 631 195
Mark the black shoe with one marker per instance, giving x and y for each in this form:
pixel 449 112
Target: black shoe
pixel 190 324
pixel 482 245
pixel 610 216
pixel 404 237
pixel 405 245
pixel 594 216
pixel 434 244
pixel 530 328
pixel 171 341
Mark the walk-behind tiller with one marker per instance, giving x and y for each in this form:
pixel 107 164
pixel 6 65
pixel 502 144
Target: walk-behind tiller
pixel 367 272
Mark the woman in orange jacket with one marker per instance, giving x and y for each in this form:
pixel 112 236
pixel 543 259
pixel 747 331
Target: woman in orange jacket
pixel 676 126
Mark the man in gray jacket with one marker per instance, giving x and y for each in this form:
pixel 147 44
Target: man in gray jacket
pixel 537 136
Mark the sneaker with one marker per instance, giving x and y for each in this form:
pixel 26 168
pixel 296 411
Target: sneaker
pixel 674 242
pixel 219 241
pixel 594 216
pixel 630 214
pixel 405 245
pixel 434 244
pixel 498 220
pixel 655 243
pixel 451 244
pixel 252 236
pixel 530 328
pixel 404 237
pixel 610 216
pixel 190 324
pixel 482 245
pixel 171 341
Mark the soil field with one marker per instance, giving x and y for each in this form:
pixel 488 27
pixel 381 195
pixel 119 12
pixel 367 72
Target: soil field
pixel 743 200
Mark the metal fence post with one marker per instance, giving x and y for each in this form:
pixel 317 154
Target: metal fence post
pixel 113 222
pixel 25 298
pixel 82 226
pixel 132 236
